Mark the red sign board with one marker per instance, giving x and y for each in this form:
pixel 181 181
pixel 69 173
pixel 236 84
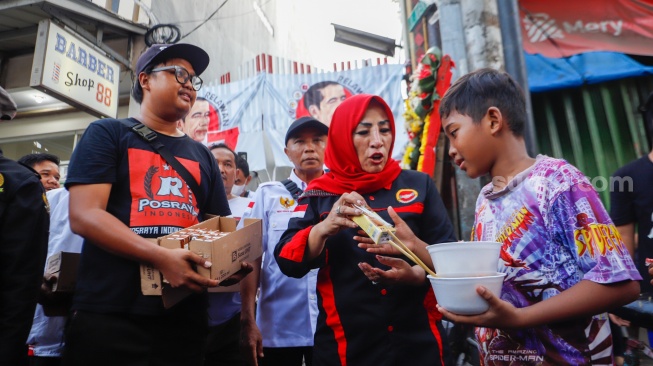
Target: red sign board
pixel 561 28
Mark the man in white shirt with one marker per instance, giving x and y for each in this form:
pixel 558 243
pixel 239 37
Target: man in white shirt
pixel 280 330
pixel 224 307
pixel 243 177
pixel 226 159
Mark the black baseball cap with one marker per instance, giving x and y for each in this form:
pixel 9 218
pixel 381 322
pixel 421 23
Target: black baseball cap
pixel 303 123
pixel 197 57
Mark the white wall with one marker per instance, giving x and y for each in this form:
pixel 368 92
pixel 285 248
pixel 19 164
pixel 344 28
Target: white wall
pixel 126 9
pixel 302 29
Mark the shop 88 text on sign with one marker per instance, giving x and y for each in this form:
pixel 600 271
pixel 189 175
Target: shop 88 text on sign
pixel 75 72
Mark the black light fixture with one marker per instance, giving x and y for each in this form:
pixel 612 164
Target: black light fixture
pixel 365 40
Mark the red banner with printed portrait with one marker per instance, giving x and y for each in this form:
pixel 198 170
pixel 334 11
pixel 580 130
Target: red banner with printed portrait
pixel 562 28
pixel 229 137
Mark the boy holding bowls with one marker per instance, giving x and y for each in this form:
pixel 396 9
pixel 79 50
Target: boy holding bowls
pixel 565 263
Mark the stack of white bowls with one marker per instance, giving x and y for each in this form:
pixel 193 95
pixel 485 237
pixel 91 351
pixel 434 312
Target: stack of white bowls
pixel 460 268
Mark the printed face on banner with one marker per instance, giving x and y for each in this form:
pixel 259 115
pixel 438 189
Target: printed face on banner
pixel 196 122
pixel 255 113
pixel 332 96
pixel 321 99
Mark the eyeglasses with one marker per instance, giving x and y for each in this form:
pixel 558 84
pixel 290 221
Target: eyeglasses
pixel 182 75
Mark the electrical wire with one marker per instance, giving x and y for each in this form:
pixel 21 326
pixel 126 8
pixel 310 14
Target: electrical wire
pixel 206 20
pixel 225 17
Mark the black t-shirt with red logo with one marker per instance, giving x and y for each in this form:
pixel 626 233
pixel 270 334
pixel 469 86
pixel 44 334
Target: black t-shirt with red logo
pixel 356 317
pixel 148 196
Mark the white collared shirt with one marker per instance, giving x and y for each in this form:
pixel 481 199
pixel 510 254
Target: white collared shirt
pixel 287 307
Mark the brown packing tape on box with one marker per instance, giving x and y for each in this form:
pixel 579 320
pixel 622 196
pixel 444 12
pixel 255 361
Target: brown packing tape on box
pixel 150 278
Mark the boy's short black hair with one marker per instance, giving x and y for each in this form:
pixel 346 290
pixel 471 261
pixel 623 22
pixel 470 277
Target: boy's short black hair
pixel 477 91
pixel 243 165
pixel 32 159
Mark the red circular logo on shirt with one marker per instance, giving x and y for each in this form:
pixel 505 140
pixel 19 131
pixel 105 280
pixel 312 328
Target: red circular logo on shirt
pixel 406 195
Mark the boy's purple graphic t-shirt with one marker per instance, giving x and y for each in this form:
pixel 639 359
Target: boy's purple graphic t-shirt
pixel 555 233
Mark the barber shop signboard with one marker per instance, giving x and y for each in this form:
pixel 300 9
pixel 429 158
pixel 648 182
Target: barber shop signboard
pixel 72 70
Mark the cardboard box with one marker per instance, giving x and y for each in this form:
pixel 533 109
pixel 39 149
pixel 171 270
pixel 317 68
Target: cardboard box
pixel 226 253
pixel 379 233
pixel 64 265
pixel 150 278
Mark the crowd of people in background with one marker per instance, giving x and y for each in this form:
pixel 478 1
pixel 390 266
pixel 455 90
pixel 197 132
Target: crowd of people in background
pixel 323 293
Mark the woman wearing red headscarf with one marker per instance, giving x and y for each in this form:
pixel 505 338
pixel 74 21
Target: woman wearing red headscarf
pixel 361 322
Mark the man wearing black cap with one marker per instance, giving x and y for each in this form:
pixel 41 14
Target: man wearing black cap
pixel 280 330
pixel 24 224
pixel 122 192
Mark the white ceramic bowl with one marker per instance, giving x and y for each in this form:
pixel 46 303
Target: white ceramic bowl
pixel 465 258
pixel 458 294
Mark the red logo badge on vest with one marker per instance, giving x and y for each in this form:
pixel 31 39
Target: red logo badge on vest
pixel 406 195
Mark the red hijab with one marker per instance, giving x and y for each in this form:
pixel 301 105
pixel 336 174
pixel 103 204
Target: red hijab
pixel 345 171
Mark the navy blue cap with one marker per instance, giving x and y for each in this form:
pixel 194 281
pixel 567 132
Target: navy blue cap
pixel 158 53
pixel 303 123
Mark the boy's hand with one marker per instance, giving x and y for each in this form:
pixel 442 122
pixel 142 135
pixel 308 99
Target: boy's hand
pixel 650 272
pixel 501 314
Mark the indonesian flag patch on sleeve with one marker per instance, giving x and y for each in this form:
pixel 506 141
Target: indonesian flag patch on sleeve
pixel 299 211
pixel 248 209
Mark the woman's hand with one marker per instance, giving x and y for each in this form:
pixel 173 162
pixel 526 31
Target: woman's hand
pixel 340 215
pixel 400 272
pixel 404 233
